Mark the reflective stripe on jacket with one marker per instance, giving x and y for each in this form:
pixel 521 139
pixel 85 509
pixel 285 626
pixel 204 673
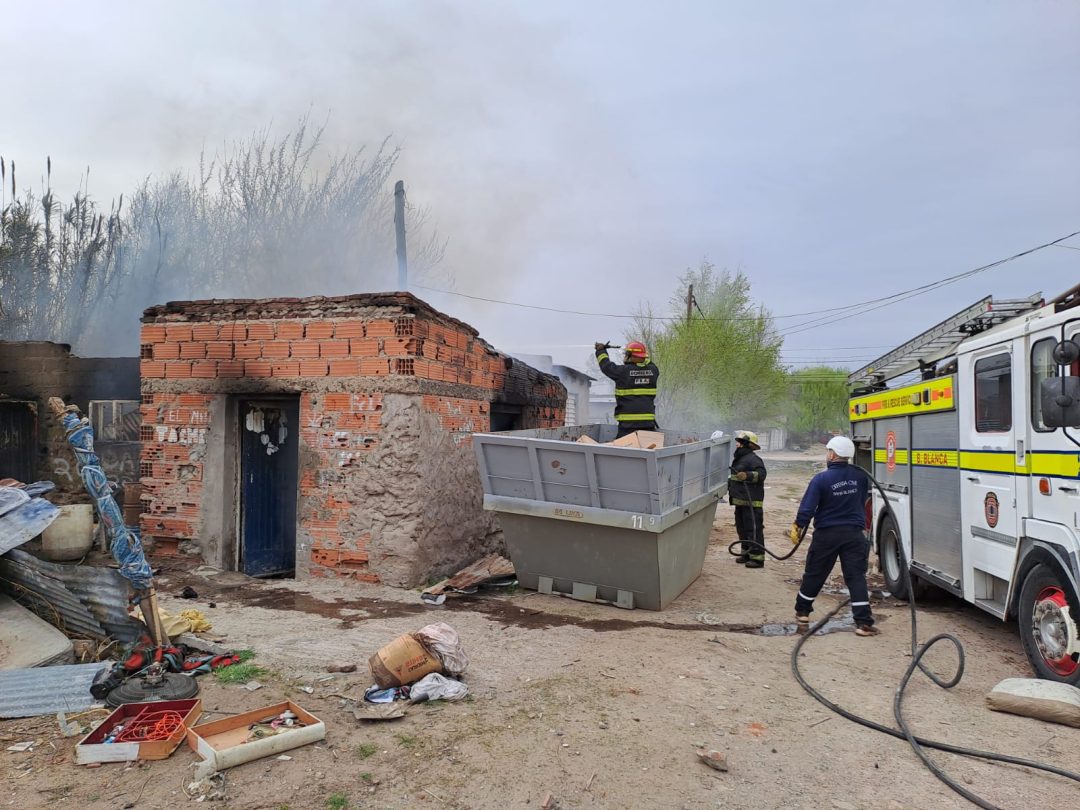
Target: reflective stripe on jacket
pixel 635 388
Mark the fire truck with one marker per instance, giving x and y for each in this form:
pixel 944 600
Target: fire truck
pixel 980 460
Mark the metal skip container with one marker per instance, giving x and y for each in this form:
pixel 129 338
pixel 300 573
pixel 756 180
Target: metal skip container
pixel 599 523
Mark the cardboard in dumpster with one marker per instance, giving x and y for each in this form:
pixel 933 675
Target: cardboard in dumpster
pixel 93 748
pixel 401 662
pixel 228 742
pixel 643 439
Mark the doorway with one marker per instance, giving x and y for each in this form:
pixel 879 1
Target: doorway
pixel 269 437
pixel 18 441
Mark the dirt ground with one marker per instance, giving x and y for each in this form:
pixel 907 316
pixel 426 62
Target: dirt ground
pixel 603 708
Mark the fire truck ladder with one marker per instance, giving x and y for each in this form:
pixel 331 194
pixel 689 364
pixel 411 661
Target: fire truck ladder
pixel 923 352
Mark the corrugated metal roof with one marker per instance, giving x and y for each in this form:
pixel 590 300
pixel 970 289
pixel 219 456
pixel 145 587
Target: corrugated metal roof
pixel 25 522
pixel 47 690
pixel 91 600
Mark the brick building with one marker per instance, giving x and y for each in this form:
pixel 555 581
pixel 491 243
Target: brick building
pixel 325 435
pixel 33 445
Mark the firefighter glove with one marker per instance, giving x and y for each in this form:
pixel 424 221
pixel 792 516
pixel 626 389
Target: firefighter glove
pixel 795 534
pixel 600 346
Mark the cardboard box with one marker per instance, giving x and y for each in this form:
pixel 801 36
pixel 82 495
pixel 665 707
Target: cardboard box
pixel 643 439
pixel 93 748
pixel 403 661
pixel 226 743
pixel 587 440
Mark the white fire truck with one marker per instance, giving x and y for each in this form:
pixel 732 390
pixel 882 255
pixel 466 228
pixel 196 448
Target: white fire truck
pixel 980 460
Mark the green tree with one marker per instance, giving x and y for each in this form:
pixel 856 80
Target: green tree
pixel 721 367
pixel 819 402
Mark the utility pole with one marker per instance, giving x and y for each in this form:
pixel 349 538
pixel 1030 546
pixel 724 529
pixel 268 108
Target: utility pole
pixel 399 228
pixel 689 303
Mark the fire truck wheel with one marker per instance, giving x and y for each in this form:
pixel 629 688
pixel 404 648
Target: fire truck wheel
pixel 889 558
pixel 1048 611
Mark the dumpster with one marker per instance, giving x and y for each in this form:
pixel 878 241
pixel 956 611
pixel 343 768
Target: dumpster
pixel 620 525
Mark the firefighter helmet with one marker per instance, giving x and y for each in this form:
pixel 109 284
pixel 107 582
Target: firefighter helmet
pixel 749 437
pixel 842 446
pixel 636 350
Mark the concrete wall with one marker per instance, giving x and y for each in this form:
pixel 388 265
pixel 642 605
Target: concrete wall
pixel 390 392
pixel 35 371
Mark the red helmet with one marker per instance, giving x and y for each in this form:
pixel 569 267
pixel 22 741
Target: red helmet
pixel 637 350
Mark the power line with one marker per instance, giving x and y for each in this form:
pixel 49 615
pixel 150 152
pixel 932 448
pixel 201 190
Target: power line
pixel 830 313
pixel 814 324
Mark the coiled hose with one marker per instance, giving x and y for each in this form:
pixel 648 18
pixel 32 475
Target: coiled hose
pixel 918 744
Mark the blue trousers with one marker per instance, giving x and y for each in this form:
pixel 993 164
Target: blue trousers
pixel 850 545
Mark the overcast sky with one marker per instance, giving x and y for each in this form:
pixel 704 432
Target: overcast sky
pixel 582 155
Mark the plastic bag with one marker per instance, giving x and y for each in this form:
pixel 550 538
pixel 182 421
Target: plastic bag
pixel 443 642
pixel 437 687
pixel 1043 700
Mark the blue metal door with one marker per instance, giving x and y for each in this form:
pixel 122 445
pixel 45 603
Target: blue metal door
pixel 268 486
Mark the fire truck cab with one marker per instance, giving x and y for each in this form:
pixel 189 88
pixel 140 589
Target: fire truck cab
pixel 980 460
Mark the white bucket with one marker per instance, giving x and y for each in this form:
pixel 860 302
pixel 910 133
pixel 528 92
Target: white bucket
pixel 70 536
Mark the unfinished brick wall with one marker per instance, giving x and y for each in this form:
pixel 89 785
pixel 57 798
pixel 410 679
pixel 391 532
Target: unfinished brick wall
pixel 33 371
pixel 390 391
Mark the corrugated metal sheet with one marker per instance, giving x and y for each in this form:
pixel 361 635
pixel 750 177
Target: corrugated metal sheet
pixel 25 522
pixel 47 690
pixel 92 601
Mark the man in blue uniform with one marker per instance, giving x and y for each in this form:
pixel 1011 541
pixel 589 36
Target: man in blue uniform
pixel 836 502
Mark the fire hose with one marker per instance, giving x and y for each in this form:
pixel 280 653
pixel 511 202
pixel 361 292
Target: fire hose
pixel 918 744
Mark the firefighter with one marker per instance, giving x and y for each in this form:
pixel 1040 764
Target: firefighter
pixel 836 501
pixel 635 386
pixel 746 491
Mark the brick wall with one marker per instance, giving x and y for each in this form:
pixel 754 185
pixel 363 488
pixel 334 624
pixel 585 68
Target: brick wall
pixel 390 392
pixel 35 371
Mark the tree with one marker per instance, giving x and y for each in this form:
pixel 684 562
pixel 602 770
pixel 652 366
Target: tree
pixel 721 368
pixel 819 402
pixel 259 221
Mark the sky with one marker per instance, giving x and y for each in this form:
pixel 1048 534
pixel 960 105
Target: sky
pixel 582 155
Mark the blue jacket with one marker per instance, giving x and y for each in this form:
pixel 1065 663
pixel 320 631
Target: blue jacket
pixel 836 497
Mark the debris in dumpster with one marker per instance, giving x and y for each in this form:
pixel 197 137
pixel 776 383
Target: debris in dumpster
pixel 139 731
pixel 1031 697
pixel 586 439
pixel 641 439
pixel 437 687
pixel 717 760
pixel 370 712
pixel 229 742
pixel 493 570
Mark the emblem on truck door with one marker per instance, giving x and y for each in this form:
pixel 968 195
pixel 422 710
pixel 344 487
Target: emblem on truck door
pixel 990 509
pixel 890 451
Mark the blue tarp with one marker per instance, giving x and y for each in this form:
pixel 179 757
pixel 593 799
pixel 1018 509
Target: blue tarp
pixel 125 544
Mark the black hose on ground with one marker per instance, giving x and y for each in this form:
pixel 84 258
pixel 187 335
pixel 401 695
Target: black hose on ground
pixel 761 543
pixel 918 744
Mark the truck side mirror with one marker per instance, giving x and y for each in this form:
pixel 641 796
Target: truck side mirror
pixel 1066 353
pixel 1060 401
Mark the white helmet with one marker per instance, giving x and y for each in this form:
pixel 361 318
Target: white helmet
pixel 842 446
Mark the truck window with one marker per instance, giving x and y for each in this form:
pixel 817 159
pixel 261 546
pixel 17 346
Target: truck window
pixel 993 394
pixel 1042 368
